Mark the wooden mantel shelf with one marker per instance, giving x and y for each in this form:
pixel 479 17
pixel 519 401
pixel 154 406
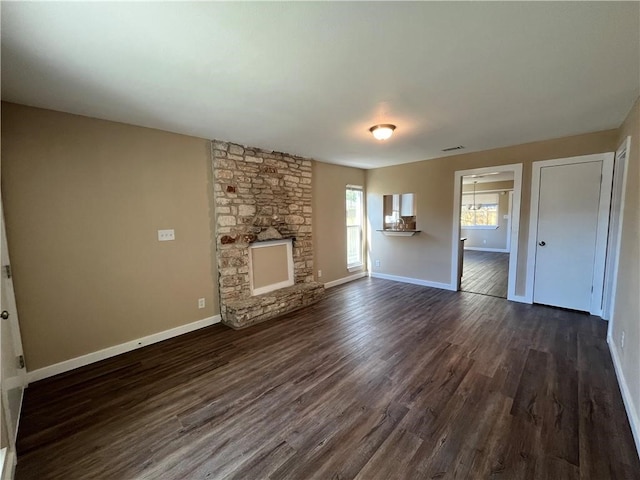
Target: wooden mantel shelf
pixel 400 233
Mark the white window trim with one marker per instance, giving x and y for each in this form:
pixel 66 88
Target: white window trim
pixel 359 266
pixel 481 193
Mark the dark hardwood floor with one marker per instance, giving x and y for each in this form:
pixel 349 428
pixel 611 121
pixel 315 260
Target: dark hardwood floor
pixel 380 380
pixel 486 273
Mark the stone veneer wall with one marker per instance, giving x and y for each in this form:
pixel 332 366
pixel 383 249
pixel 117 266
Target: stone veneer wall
pixel 256 191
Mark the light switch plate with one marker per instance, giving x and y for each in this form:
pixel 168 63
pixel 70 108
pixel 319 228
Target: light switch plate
pixel 166 235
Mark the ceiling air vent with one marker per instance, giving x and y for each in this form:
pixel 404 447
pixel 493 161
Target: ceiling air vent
pixel 451 149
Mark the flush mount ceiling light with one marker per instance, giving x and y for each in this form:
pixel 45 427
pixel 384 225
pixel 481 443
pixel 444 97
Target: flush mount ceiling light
pixel 382 131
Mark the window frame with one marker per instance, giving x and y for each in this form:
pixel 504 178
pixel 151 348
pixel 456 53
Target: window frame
pixel 475 225
pixel 359 265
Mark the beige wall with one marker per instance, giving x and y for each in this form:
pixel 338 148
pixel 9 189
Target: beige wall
pixel 626 317
pixel 83 201
pixel 329 226
pixel 427 255
pixel 489 186
pixel 481 238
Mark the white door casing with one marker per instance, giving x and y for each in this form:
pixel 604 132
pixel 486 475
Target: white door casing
pixel 509 214
pixel 615 229
pixel 570 201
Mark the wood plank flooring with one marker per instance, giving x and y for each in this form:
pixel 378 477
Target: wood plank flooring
pixel 380 380
pixel 486 273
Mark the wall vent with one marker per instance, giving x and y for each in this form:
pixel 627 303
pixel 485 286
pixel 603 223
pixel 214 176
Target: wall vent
pixel 450 149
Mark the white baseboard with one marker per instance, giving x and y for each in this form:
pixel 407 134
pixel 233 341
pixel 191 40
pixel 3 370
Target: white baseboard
pixel 415 281
pixel 482 249
pixel 3 457
pixel 109 352
pixel 632 412
pixel 9 464
pixel 340 281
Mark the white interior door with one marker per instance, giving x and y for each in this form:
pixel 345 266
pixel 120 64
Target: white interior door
pixel 4 435
pixel 568 214
pixel 12 369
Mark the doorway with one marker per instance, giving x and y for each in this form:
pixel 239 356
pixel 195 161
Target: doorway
pixel 570 200
pixel 485 218
pixel 485 230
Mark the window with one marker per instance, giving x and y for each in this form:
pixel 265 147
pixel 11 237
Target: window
pixel 481 213
pixel 355 217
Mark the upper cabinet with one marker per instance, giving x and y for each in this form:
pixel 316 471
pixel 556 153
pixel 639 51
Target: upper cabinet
pixel 407 205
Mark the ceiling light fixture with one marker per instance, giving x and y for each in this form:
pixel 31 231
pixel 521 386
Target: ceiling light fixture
pixel 382 131
pixel 475 206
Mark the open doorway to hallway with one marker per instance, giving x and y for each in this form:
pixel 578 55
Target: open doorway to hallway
pixel 485 231
pixel 485 226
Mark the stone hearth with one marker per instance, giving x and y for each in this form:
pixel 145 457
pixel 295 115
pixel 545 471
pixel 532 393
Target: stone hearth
pixel 245 312
pixel 258 193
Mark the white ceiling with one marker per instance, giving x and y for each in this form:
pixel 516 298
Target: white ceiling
pixel 487 178
pixel 311 78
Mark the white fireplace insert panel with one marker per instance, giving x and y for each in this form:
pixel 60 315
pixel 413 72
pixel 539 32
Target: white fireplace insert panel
pixel 270 265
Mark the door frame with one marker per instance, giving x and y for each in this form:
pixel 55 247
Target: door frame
pixel 514 232
pixel 8 465
pixel 615 231
pixel 509 215
pixel 603 223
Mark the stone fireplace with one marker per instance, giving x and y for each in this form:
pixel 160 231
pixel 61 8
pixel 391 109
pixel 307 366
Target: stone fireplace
pixel 262 196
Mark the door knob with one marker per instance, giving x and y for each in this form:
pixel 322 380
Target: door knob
pixel 542 244
pixel 4 315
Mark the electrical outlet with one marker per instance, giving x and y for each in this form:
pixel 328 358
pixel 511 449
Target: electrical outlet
pixel 166 235
pixel 622 340
pixel 377 263
pixel 201 303
pixel 484 242
pixel 319 273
